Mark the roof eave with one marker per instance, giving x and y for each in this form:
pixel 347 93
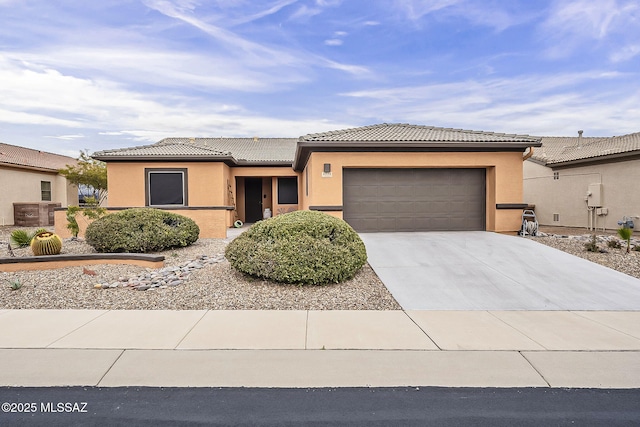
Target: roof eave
pixel 163 158
pixel 275 163
pixel 33 168
pixel 596 159
pixel 305 148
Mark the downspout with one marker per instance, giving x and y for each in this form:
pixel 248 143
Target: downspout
pixel 529 154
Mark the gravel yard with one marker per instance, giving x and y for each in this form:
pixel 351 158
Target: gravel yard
pixel 215 287
pixel 573 240
pixel 219 287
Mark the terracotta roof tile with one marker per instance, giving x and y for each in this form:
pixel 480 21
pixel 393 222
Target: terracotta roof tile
pixel 405 132
pixel 259 150
pixel 557 150
pixel 30 158
pixel 163 149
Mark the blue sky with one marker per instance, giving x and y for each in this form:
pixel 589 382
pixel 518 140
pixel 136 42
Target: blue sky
pixel 77 74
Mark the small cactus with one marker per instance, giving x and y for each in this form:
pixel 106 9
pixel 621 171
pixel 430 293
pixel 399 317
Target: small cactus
pixel 14 284
pixel 46 243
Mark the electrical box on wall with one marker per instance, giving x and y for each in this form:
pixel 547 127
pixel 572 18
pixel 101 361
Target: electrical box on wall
pixel 594 195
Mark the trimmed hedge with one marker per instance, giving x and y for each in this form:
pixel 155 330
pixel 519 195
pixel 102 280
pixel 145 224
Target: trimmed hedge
pixel 303 247
pixel 141 230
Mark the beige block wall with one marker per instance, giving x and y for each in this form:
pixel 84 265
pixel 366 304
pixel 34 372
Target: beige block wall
pixel 504 178
pixel 23 185
pixel 565 196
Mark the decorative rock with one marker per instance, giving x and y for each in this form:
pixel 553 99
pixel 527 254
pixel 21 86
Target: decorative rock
pixel 168 276
pixel 98 286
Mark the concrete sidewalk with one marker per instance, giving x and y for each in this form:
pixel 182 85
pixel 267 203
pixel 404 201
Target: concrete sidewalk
pixel 217 348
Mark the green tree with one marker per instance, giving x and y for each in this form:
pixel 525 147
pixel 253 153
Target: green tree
pixel 90 173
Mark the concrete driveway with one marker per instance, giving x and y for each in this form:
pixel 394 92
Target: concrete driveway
pixel 489 271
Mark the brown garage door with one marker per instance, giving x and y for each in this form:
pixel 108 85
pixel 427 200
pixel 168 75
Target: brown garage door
pixel 414 199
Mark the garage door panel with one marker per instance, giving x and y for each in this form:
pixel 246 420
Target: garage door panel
pixel 414 199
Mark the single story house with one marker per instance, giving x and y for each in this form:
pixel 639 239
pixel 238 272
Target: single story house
pixel 585 181
pixel 30 179
pixel 385 177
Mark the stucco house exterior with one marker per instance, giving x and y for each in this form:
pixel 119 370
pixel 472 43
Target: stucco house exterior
pixel 385 177
pixel 30 177
pixel 584 181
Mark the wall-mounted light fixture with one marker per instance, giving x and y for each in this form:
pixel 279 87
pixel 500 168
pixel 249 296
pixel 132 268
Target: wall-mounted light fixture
pixel 326 171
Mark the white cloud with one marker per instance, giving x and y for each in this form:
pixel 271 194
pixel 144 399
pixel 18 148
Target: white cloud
pixel 416 9
pixel 67 137
pixel 263 13
pixel 257 54
pixel 575 23
pixel 333 42
pixel 537 104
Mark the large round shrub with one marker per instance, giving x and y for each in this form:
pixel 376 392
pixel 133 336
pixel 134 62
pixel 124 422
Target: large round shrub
pixel 299 247
pixel 141 230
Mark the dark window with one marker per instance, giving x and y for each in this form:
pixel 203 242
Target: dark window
pixel 45 191
pixel 288 191
pixel 556 175
pixel 166 187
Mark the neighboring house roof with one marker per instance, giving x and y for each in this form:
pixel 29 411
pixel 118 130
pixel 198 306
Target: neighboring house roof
pixel 28 158
pixel 562 151
pixel 405 137
pixel 233 150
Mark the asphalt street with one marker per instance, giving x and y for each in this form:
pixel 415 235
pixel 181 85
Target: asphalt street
pixel 136 406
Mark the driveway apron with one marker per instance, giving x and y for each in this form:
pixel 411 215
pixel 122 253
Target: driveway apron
pixel 490 271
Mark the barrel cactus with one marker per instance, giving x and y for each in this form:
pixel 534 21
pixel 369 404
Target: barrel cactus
pixel 46 243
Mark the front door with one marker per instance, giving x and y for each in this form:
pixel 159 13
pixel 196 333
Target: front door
pixel 252 199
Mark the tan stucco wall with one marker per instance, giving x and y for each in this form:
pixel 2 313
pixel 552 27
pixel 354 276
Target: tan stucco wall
pixel 23 185
pixel 206 182
pixel 269 177
pixel 565 196
pixel 503 182
pixel 213 223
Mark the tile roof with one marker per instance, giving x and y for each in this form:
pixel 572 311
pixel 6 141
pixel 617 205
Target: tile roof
pixel 247 149
pixel 252 150
pixel 169 149
pixel 389 132
pixel 30 158
pixel 557 150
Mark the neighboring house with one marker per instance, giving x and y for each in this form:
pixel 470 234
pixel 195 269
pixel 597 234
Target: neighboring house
pixel 31 177
pixel 387 177
pixel 584 181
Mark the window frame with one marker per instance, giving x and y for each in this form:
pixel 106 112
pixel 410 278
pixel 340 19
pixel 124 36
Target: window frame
pixel 280 193
pixel 147 193
pixel 43 191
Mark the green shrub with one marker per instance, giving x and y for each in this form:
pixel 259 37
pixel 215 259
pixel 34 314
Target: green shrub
pixel 299 247
pixel 625 234
pixel 22 238
pixel 141 230
pixel 614 244
pixel 592 244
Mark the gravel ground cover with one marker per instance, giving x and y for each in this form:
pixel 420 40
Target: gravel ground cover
pixel 214 286
pixel 217 286
pixel 572 240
